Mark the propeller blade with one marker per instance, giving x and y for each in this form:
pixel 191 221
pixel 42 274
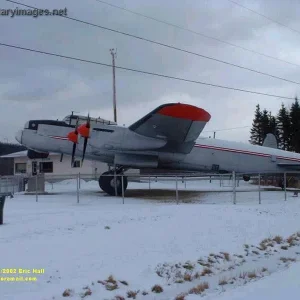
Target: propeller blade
pixel 73 154
pixel 74 144
pixel 85 139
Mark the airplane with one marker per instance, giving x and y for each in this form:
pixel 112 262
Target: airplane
pixel 165 138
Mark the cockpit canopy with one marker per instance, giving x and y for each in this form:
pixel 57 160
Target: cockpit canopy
pixel 72 119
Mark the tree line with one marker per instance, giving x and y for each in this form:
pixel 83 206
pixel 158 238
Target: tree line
pixel 285 125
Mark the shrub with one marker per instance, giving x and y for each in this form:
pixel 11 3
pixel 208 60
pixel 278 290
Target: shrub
pixel 157 289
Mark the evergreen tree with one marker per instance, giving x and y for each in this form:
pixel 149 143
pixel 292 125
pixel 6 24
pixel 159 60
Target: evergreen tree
pixel 284 128
pixel 265 124
pixel 295 126
pixel 256 133
pixel 273 126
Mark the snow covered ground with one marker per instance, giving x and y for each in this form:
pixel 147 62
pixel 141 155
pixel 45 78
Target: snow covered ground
pixel 150 240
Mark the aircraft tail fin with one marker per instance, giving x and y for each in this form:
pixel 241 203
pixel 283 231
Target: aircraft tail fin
pixel 270 141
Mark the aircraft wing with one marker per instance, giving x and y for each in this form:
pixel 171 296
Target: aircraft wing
pixel 177 124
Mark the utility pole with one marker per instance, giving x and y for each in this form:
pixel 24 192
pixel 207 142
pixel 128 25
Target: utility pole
pixel 113 53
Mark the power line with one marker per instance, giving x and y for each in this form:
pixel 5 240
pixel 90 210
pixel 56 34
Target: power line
pixel 143 72
pixel 167 46
pixel 264 16
pixel 197 33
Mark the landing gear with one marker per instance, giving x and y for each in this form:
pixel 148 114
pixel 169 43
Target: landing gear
pixel 246 177
pixel 107 182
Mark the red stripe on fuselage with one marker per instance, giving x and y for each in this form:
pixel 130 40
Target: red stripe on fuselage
pixel 244 152
pixel 58 137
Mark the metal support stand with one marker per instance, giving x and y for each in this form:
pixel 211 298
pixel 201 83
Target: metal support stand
pixel 122 178
pixel 115 182
pixel 176 190
pixel 2 201
pixel 77 188
pixel 284 186
pixel 36 188
pixel 259 198
pixel 234 187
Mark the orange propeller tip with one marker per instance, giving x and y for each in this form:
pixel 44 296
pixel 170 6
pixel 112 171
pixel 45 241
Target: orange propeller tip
pixel 73 137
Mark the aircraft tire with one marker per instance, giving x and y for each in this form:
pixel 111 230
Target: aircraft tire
pixel 246 178
pixel 106 183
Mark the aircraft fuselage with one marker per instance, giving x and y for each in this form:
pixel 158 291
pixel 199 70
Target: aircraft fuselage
pixel 110 141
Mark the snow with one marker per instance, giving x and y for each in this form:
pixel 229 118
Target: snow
pixel 85 242
pixel 282 285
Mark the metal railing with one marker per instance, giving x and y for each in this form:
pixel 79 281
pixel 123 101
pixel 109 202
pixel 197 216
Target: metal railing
pixel 12 184
pixel 179 182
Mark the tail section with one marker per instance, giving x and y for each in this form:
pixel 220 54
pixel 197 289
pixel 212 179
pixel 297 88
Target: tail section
pixel 270 141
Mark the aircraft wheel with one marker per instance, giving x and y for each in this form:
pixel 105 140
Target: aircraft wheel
pixel 246 178
pixel 107 183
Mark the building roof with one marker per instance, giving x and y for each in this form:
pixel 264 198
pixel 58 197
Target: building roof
pixel 21 154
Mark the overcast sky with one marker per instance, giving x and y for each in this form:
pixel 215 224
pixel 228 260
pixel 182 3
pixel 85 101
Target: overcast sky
pixel 34 86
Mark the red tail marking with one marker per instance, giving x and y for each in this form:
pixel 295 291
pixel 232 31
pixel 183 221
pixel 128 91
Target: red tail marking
pixel 185 111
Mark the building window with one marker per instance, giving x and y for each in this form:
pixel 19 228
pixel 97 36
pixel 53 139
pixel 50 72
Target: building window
pixel 46 167
pixel 20 168
pixel 76 164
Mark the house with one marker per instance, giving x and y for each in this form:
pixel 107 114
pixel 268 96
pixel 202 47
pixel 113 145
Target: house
pixel 53 166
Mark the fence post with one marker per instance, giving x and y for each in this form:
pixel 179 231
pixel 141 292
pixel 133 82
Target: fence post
pixel 284 186
pixel 77 192
pixel 234 187
pixel 36 187
pixel 259 198
pixel 122 178
pixel 115 181
pixel 176 190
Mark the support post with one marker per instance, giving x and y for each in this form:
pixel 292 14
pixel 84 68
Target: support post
pixel 115 182
pixel 79 180
pixel 176 189
pixel 259 197
pixel 284 176
pixel 77 192
pixel 122 178
pixel 36 187
pixel 234 187
pixel 2 201
pixel 113 53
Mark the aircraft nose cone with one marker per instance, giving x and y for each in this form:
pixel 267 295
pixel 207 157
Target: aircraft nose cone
pixel 18 136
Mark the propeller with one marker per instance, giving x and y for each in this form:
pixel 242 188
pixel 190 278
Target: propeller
pixel 84 131
pixel 73 137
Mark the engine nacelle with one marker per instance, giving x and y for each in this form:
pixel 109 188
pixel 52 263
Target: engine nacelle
pixel 31 154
